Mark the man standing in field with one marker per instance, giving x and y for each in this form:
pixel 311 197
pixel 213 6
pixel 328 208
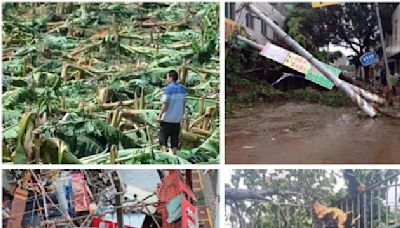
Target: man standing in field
pixel 172 112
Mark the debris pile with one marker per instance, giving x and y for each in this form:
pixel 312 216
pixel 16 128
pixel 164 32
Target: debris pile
pixel 98 198
pixel 82 81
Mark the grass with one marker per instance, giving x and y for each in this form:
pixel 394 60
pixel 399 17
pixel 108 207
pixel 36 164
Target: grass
pixel 332 98
pixel 243 93
pixel 246 93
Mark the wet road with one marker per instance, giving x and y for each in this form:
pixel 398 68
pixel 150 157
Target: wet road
pixel 310 133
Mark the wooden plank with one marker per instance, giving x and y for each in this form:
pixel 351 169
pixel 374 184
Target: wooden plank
pixel 17 208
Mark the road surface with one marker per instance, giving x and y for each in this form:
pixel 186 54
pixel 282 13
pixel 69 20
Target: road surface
pixel 303 133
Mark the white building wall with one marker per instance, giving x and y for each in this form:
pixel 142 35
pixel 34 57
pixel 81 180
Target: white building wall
pixel 269 11
pixel 393 47
pixel 396 27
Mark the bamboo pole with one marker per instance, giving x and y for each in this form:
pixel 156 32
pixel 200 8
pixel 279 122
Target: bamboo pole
pixel 363 104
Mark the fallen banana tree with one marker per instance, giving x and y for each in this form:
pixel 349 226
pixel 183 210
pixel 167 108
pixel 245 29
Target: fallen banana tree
pixel 84 85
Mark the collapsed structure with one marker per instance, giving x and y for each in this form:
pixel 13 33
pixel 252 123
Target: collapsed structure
pixel 109 198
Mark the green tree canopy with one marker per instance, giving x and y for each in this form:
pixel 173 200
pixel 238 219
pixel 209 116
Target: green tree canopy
pixel 340 25
pixel 253 196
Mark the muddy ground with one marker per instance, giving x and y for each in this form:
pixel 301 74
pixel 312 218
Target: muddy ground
pixel 309 133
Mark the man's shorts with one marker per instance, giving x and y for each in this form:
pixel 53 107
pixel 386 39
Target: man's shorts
pixel 169 130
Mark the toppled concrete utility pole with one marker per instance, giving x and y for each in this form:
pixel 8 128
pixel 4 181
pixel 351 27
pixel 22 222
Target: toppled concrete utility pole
pixel 363 104
pixel 362 92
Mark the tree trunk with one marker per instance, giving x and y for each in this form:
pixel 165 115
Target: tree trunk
pixel 367 75
pixel 246 194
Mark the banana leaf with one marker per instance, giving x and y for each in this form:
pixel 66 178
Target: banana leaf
pixel 134 63
pixel 26 126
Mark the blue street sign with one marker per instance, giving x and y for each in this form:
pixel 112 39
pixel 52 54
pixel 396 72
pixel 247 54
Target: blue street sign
pixel 369 58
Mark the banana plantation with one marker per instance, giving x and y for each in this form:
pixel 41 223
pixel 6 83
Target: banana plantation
pixel 82 82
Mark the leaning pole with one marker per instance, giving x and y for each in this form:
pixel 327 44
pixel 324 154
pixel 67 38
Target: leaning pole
pixel 364 93
pixel 363 104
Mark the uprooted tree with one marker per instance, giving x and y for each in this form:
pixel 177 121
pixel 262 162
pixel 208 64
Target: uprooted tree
pixel 286 198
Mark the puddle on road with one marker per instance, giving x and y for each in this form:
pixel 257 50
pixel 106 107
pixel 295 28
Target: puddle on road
pixel 310 133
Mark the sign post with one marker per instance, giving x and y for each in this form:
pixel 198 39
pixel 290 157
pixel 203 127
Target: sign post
pixel 369 58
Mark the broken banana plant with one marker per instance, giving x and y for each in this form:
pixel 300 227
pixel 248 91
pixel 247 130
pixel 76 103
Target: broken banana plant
pixel 83 84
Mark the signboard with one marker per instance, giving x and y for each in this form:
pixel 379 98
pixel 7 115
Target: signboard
pixel 274 52
pixel 299 64
pixel 317 77
pixel 322 4
pixel 81 197
pixel 369 58
pixel 190 215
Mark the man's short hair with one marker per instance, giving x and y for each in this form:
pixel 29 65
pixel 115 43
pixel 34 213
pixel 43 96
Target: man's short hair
pixel 173 74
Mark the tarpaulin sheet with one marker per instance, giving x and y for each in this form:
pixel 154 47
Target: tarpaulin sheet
pixel 174 209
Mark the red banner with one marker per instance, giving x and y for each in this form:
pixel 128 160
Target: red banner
pixel 190 214
pixel 186 190
pixel 97 222
pixel 81 196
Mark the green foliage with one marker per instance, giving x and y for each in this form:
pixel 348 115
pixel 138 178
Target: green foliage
pixel 338 24
pixel 293 24
pixel 292 191
pixel 208 46
pixel 125 66
pixel 242 88
pixel 332 98
pixel 299 187
pixel 240 94
pixel 87 137
pixel 18 98
pixel 207 152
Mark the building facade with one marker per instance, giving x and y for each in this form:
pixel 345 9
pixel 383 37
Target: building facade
pixel 393 44
pixel 256 28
